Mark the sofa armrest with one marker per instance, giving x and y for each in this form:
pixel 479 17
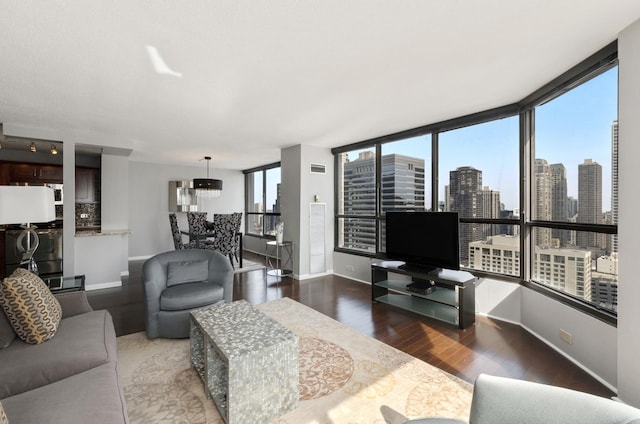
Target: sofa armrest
pixel 498 400
pixel 73 303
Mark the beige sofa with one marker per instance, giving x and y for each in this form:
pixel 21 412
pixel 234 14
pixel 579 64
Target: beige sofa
pixel 71 378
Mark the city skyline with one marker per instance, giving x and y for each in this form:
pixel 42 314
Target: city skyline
pixel 569 129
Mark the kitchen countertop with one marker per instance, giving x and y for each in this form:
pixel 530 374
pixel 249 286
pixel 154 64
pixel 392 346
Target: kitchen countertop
pixel 97 232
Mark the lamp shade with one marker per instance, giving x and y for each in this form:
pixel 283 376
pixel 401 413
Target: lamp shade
pixel 22 205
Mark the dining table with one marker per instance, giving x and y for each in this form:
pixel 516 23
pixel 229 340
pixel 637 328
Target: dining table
pixel 199 236
pixel 211 234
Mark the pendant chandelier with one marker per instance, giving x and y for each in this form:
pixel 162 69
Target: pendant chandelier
pixel 207 188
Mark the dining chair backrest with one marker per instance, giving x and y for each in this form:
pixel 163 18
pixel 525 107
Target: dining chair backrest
pixel 224 227
pixel 175 232
pixel 237 220
pixel 197 222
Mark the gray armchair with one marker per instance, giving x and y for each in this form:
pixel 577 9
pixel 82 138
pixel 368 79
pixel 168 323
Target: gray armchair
pixel 180 281
pixel 499 400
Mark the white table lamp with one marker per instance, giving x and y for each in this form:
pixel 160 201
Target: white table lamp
pixel 25 205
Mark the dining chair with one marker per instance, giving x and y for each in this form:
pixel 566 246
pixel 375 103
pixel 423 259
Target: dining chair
pixel 237 222
pixel 225 231
pixel 178 244
pixel 197 224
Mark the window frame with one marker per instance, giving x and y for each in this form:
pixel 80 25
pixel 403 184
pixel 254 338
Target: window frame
pixel 247 174
pixel 593 66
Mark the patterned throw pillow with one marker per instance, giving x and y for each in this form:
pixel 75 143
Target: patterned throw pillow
pixel 3 416
pixel 32 310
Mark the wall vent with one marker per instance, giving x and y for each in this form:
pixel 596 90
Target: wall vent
pixel 318 169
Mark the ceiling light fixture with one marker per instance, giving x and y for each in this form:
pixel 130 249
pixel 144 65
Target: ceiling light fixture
pixel 207 188
pixel 33 148
pixel 53 150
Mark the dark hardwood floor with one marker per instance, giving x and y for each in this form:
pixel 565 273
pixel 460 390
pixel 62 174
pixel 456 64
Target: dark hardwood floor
pixel 490 346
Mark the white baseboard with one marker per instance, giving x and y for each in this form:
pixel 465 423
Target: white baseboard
pixel 99 286
pixel 139 258
pixel 482 314
pixel 352 278
pixel 310 276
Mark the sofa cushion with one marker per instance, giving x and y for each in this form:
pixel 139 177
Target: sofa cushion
pixel 82 342
pixel 7 334
pixel 32 310
pixel 3 416
pixel 187 272
pixel 189 296
pixel 90 397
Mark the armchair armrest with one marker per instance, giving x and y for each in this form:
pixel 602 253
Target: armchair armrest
pixel 498 400
pixel 73 303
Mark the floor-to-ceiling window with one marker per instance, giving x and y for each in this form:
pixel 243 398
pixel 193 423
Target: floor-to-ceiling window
pixel 574 191
pixel 534 184
pixel 479 178
pixel 262 200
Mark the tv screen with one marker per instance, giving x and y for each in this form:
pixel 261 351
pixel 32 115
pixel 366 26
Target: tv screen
pixel 426 240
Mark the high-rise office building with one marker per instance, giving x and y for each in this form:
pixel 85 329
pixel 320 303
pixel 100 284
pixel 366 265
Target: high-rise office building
pixel 589 201
pixel 490 209
pixel 566 269
pixel 572 208
pixel 543 201
pixel 359 198
pixel 499 254
pixel 559 208
pixel 402 190
pixel 465 190
pixel 402 183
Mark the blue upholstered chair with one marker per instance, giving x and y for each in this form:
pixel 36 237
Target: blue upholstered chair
pixel 180 281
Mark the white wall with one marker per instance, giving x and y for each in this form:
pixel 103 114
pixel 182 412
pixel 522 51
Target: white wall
pixel 594 342
pixel 114 204
pixel 290 162
pixel 498 299
pixel 148 210
pixel 299 188
pixel 628 342
pixel 104 259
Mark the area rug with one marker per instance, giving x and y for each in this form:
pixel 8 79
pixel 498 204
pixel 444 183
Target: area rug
pixel 345 377
pixel 248 265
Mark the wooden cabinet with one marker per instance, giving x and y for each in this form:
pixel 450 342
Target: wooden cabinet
pixel 13 172
pixel 86 182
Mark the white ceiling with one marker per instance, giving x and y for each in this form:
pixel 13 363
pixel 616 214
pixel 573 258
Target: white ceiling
pixel 258 76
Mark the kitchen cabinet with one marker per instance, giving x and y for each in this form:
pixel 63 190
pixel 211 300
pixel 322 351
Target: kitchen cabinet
pixel 32 173
pixel 86 185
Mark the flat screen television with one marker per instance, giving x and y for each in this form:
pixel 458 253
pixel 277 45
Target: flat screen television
pixel 423 240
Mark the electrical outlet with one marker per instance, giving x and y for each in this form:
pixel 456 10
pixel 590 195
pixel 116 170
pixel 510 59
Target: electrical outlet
pixel 350 268
pixel 566 336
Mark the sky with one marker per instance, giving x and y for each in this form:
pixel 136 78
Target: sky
pixel 569 129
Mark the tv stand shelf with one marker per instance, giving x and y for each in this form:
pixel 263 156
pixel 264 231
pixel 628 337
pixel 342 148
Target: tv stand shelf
pixel 453 300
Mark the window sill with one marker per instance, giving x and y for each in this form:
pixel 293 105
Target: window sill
pixel 589 309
